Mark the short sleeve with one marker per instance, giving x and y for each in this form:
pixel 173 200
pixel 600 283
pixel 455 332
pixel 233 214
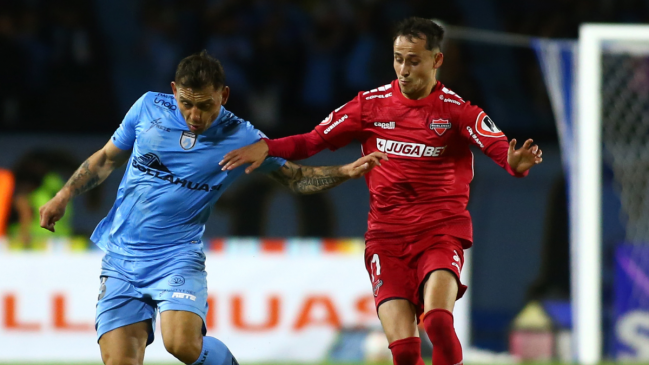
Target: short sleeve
pixel 477 127
pixel 270 164
pixel 342 125
pixel 124 136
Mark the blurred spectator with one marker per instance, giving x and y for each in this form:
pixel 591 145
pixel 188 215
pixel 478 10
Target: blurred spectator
pixel 39 175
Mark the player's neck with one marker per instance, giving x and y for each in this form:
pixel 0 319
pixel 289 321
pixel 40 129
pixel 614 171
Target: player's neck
pixel 423 93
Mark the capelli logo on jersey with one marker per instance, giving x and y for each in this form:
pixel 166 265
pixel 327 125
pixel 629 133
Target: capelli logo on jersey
pixel 388 125
pixel 408 149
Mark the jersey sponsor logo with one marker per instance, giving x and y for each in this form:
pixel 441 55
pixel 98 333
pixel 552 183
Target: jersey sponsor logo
pixel 475 138
pixel 380 96
pixel 342 119
pixel 176 280
pixel 328 119
pixel 158 124
pixel 159 102
pixel 153 161
pixel 187 140
pixel 408 149
pixel 388 125
pixel 452 101
pixel 440 126
pixel 150 164
pixel 486 127
pixel 184 296
pixel 168 96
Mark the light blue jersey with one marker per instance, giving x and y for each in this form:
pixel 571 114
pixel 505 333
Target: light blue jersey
pixel 172 179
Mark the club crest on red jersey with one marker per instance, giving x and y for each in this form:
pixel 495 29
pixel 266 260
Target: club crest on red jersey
pixel 440 126
pixel 486 127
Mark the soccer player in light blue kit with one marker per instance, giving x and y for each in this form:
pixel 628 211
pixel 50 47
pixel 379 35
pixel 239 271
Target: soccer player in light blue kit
pixel 154 259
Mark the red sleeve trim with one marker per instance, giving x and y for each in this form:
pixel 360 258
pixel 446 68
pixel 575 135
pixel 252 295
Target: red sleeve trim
pixel 297 147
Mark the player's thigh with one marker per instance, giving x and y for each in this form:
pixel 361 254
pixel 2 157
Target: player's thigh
pixel 440 290
pixel 439 268
pixel 181 329
pixel 399 319
pixel 120 304
pixel 125 345
pixel 181 296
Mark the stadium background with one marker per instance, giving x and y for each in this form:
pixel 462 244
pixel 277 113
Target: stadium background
pixel 71 69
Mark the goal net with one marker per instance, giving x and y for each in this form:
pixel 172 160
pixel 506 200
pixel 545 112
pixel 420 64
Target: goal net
pixel 625 139
pixel 609 172
pixel 599 88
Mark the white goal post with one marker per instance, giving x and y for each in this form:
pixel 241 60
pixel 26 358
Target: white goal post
pixel 586 193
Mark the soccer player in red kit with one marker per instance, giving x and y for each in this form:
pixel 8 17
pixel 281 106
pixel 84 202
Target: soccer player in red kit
pixel 418 224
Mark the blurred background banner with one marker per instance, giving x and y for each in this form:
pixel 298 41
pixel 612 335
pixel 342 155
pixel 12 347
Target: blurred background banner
pixel 270 300
pixel 269 306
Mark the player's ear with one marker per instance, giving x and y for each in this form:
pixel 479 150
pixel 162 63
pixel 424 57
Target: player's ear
pixel 439 59
pixel 173 88
pixel 225 94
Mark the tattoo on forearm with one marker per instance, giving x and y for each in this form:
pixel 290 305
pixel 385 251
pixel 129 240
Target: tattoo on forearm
pixel 316 184
pixel 83 179
pixel 307 179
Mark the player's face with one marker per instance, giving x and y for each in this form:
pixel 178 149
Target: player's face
pixel 200 108
pixel 415 66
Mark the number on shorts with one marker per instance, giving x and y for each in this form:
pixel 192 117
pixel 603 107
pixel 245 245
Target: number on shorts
pixel 102 287
pixel 377 263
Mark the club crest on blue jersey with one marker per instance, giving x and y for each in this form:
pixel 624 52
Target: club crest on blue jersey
pixel 187 140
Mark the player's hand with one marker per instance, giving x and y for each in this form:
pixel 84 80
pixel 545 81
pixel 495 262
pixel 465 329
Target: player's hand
pixel 53 211
pixel 363 165
pixel 524 158
pixel 254 154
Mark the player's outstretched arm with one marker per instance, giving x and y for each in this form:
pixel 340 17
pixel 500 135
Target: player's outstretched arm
pixel 91 173
pixel 311 179
pixel 522 159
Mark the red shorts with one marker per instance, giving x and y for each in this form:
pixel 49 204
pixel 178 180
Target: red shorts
pixel 398 270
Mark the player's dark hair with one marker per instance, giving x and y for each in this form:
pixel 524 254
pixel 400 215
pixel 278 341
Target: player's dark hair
pixel 200 70
pixel 415 27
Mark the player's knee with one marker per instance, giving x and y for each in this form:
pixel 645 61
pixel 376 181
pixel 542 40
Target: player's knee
pixel 187 350
pixel 439 325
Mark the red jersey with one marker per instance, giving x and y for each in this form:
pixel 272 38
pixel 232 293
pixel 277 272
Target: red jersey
pixel 424 187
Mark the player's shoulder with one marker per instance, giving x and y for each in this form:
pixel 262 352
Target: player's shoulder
pixel 377 94
pixel 162 101
pixel 230 123
pixel 448 96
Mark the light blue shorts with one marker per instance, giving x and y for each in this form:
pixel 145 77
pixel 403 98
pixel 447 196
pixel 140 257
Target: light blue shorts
pixel 132 291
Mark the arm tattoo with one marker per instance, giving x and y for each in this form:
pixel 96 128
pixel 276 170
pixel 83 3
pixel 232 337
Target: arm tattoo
pixel 307 179
pixel 83 179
